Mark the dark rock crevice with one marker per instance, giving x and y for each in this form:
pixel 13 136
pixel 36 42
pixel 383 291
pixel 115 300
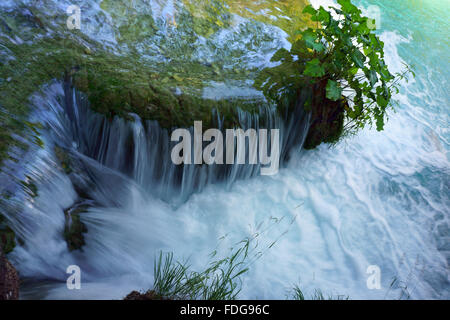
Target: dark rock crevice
pixel 327 118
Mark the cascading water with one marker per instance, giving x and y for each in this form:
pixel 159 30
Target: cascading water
pixel 375 199
pixel 127 160
pixel 143 150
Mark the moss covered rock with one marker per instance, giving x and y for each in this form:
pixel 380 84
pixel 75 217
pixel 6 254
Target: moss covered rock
pixel 64 159
pixel 7 236
pixel 74 229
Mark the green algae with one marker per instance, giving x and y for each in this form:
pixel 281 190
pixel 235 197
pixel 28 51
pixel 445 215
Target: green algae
pixel 285 14
pixel 208 17
pixel 64 160
pixel 155 75
pixel 211 15
pixel 7 236
pixel 74 228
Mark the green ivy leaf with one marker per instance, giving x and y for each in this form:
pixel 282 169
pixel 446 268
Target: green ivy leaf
pixel 333 90
pixel 363 29
pixel 373 77
pixel 347 40
pixel 348 7
pixel 310 38
pixel 358 58
pixel 353 71
pixel 310 9
pixel 323 15
pixel 382 102
pixel 314 69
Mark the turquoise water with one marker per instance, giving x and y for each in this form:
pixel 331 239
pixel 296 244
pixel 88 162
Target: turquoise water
pixel 426 27
pixel 375 199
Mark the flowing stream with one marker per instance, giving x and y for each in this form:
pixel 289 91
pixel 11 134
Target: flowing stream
pixel 379 198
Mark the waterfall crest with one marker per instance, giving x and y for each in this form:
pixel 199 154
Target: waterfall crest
pixel 141 149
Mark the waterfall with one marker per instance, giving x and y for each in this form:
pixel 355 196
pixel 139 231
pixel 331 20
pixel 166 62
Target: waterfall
pixel 375 199
pixel 141 149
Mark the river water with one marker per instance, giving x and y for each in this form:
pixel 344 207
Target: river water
pixel 379 198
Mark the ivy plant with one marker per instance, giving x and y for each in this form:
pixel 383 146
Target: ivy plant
pixel 345 57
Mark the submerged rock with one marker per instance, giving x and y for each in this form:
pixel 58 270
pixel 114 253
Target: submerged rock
pixel 9 279
pixel 64 159
pixel 75 229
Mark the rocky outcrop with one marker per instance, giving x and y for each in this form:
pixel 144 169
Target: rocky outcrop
pixel 9 279
pixel 149 295
pixel 75 229
pixel 7 236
